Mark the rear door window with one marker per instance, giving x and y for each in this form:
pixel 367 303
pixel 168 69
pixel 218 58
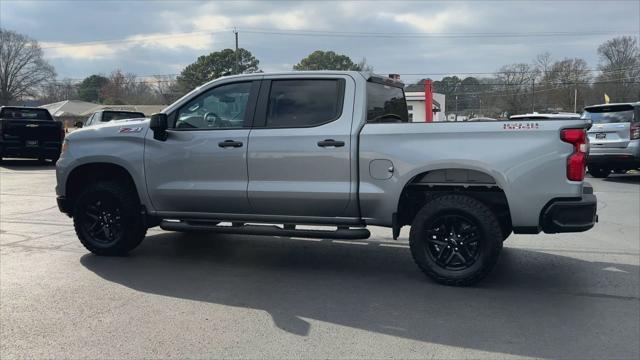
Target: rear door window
pixel 386 104
pixel 304 103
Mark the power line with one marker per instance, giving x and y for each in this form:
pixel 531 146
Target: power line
pixel 505 72
pixel 323 33
pixel 430 35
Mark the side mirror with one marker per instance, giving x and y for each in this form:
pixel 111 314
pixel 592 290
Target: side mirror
pixel 79 124
pixel 158 125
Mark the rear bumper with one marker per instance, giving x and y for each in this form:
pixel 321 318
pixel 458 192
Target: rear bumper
pixel 614 161
pixel 49 150
pixel 626 157
pixel 570 215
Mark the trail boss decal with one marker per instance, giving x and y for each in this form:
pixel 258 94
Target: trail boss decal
pixel 521 126
pixel 126 130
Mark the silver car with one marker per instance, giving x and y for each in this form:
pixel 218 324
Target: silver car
pixel 614 138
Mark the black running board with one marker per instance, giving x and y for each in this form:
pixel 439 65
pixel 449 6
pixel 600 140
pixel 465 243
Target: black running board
pixel 270 230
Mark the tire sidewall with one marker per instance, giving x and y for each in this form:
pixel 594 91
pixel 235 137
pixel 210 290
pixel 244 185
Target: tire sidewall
pixel 131 226
pixel 491 237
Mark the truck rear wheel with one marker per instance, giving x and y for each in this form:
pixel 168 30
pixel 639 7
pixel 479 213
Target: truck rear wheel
pixel 456 240
pixel 107 219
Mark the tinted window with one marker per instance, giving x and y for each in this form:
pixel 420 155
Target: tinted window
pixel 609 117
pixel 385 104
pixel 221 107
pixel 303 103
pixel 26 114
pixel 112 115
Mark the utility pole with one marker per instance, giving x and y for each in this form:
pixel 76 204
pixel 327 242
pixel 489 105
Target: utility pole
pixel 235 68
pixel 456 108
pixel 533 95
pixel 575 100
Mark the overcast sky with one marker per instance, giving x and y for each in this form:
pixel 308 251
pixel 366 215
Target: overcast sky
pixel 462 33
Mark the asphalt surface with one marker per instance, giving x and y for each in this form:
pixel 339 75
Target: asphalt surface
pixel 229 296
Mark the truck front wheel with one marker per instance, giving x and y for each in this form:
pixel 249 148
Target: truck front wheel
pixel 456 240
pixel 107 219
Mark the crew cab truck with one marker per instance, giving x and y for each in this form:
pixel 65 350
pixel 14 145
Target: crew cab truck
pixel 27 132
pixel 331 149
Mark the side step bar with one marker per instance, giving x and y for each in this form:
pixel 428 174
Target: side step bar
pixel 269 230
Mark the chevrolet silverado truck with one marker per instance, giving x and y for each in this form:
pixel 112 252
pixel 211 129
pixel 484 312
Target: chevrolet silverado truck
pixel 271 154
pixel 27 132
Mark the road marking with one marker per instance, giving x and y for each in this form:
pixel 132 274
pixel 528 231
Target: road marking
pixel 395 245
pixel 349 242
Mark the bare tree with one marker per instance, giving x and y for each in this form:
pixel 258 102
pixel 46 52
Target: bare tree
pixel 620 69
pixel 515 82
pixel 561 81
pixel 166 89
pixel 54 91
pixel 22 67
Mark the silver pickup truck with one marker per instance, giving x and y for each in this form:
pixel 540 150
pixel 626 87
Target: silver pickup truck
pixel 270 154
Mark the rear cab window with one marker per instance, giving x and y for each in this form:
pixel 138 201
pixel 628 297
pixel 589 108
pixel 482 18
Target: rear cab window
pixel 623 113
pixel 386 104
pixel 304 102
pixel 25 114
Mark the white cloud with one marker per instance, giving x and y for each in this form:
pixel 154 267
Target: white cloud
pixel 87 52
pixel 158 41
pixel 290 20
pixel 211 23
pixel 196 41
pixel 441 21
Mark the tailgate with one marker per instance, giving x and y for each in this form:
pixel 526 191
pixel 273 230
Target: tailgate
pixel 32 130
pixel 612 135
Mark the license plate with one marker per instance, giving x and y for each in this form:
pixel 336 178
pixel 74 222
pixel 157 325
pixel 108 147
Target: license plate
pixel 601 136
pixel 31 143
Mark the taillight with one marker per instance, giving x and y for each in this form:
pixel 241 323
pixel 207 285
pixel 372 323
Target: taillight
pixel 577 162
pixel 634 131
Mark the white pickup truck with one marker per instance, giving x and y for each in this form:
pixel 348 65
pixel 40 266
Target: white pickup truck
pixel 263 154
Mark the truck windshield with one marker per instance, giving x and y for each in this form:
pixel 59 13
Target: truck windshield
pixel 25 114
pixel 624 116
pixel 386 104
pixel 108 116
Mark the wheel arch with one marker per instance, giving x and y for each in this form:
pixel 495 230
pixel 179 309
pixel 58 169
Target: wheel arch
pixel 87 173
pixel 477 182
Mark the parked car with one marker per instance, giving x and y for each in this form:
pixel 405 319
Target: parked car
pixel 326 148
pixel 28 132
pixel 614 138
pixel 482 119
pixel 103 116
pixel 546 116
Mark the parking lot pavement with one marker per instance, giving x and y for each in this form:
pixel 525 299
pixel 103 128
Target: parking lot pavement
pixel 552 296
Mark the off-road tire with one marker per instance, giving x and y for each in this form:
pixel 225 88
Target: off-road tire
pixel 598 172
pixel 489 235
pixel 132 225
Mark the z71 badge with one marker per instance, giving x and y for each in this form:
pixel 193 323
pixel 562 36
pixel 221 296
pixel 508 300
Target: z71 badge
pixel 126 130
pixel 521 126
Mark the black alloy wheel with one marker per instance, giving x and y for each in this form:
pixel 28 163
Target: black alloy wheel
pixel 453 241
pixel 108 220
pixel 102 221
